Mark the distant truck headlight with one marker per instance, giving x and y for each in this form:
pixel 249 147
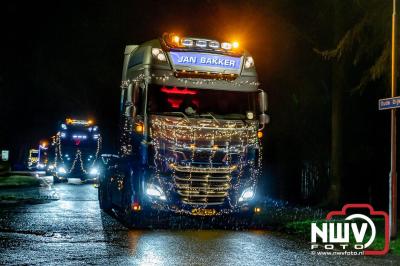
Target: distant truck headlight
pixel 94 171
pixel 40 166
pixel 61 170
pixel 155 191
pixel 51 167
pixel 247 194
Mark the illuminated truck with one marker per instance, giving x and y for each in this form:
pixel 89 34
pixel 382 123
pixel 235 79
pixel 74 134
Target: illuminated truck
pixel 76 149
pixel 33 158
pixel 192 116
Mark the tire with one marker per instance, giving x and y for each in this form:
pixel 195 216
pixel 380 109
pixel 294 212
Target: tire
pixel 104 196
pixel 57 180
pixel 144 220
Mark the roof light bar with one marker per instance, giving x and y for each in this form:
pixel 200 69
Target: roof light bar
pixel 226 45
pixel 187 42
pixel 213 44
pixel 201 43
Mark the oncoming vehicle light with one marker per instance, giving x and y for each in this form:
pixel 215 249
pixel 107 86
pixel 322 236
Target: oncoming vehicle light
pixel 61 170
pixel 94 171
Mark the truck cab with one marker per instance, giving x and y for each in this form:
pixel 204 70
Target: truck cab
pixel 76 151
pixel 192 115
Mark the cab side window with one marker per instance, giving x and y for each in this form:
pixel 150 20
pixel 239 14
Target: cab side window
pixel 137 100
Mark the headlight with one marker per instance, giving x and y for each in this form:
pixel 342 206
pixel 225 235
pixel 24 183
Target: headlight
pixel 158 54
pixel 247 194
pixel 155 191
pixel 94 171
pixel 51 167
pixel 40 165
pixel 61 170
pixel 226 45
pixel 249 62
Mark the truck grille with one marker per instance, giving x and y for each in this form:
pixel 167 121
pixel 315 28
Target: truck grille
pixel 197 188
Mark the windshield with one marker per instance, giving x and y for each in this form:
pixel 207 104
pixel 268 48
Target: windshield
pixel 202 102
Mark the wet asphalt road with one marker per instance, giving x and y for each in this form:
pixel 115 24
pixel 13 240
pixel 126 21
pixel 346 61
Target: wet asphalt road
pixel 73 231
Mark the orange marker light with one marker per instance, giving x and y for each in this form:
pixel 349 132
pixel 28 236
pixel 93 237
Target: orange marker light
pixel 139 128
pixel 136 206
pixel 90 122
pixel 260 134
pixel 235 45
pixel 175 39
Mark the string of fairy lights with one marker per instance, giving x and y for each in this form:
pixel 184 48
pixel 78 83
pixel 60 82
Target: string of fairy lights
pixel 176 135
pixel 185 136
pixel 59 157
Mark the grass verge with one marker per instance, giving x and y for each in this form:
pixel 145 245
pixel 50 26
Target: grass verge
pixel 18 181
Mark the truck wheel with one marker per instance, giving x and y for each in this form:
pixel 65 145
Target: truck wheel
pixel 104 196
pixel 144 220
pixel 57 180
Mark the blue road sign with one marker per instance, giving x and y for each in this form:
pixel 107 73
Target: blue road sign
pixel 389 103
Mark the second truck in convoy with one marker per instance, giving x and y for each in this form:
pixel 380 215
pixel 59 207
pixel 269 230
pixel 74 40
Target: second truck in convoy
pixel 75 151
pixel 192 116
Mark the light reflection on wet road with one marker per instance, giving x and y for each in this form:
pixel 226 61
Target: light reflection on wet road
pixel 73 230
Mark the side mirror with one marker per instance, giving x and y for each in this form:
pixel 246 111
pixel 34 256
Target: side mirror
pixel 264 119
pixel 263 104
pixel 262 101
pixel 108 158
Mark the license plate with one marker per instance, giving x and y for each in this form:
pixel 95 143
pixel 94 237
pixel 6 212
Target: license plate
pixel 204 212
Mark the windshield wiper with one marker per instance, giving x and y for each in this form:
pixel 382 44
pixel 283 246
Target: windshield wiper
pixel 178 113
pixel 213 117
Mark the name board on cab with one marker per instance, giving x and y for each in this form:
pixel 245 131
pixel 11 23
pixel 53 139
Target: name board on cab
pixel 206 60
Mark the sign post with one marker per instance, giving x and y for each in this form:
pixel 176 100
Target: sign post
pixel 392 103
pixel 393 134
pixel 5 154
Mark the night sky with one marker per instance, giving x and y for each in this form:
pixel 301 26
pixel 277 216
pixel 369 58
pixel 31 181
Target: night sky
pixel 64 59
